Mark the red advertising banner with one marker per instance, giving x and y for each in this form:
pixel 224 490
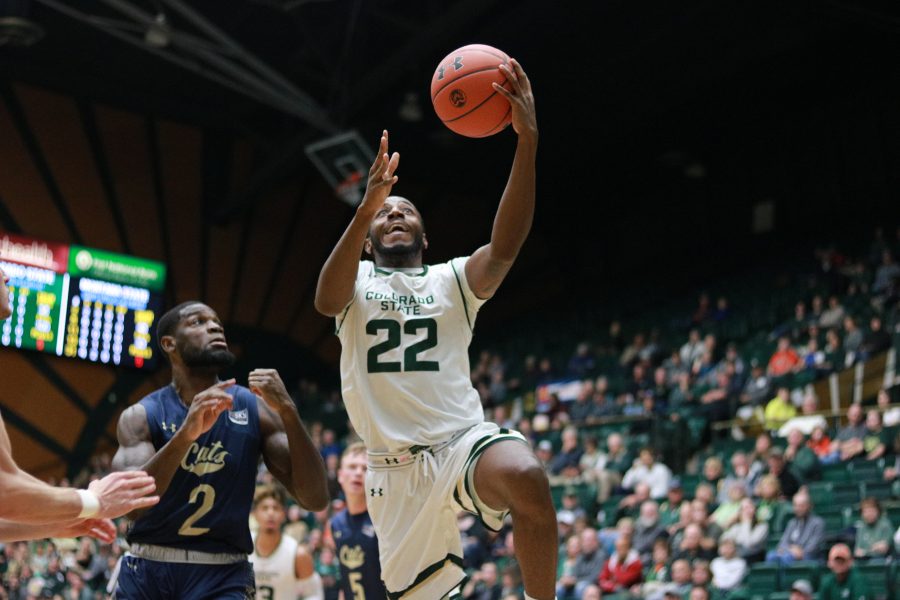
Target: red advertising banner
pixel 33 253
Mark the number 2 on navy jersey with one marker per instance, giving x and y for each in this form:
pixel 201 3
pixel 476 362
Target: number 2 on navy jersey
pixel 411 360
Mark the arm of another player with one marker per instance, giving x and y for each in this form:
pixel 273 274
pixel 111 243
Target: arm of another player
pixel 488 266
pixel 335 287
pixel 136 450
pixel 102 529
pixel 25 499
pixel 309 583
pixel 288 450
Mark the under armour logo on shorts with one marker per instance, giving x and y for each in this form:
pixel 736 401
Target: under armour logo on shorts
pixel 389 461
pixel 376 492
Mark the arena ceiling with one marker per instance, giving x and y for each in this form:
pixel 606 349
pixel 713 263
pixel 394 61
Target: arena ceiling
pixel 111 144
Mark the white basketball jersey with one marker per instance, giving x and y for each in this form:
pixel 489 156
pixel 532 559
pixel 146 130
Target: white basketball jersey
pixel 276 574
pixel 405 373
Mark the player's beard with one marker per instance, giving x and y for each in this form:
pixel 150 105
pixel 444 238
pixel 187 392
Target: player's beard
pixel 207 357
pixel 397 253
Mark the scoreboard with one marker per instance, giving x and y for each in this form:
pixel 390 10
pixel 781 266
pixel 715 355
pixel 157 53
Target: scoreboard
pixel 81 302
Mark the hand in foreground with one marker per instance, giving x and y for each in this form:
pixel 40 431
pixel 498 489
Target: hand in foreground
pixel 206 408
pixel 121 492
pixel 102 529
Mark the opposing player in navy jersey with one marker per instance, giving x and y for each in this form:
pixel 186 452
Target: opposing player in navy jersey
pixel 202 440
pixel 352 534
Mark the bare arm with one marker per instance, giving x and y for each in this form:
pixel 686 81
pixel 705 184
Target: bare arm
pixel 136 450
pixel 488 266
pixel 288 450
pixel 335 287
pixel 102 529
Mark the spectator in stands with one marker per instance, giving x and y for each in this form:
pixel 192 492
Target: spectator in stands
pixel 740 471
pixel 807 420
pixel 587 566
pixel 889 416
pixel 784 359
pixel 484 584
pixel 592 460
pixel 702 312
pixel 617 460
pixel 602 402
pixel 565 569
pixel 876 440
pixel 591 592
pixel 660 389
pixel 689 544
pixel 758 459
pixel 631 354
pixel 749 533
pixel 580 409
pixel 779 410
pixel 717 402
pixel 802 461
pixel 706 494
pixel 647 530
pixel 681 395
pixel 802 538
pixel 757 388
pixel 670 508
pixel 582 363
pixel 849 441
pixel 833 315
pixel 853 339
pixel 674 367
pixel 874 532
pixel 722 310
pixel 623 569
pixel 778 467
pixel 820 443
pixel 681 582
pixel 571 503
pixel 875 341
pixel 630 505
pixel 801 589
pixel 728 569
pixel 713 474
pixel 544 452
pixel 833 350
pixel 843 581
pixel 692 348
pixel 565 465
pixel 647 470
pixel 728 512
pixel 656 571
pixel 885 274
pixel 769 495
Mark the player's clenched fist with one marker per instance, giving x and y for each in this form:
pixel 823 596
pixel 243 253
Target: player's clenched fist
pixel 267 384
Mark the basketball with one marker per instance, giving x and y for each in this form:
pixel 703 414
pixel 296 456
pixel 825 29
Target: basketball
pixel 463 96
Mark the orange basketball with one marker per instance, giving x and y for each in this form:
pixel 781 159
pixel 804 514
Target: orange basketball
pixel 462 94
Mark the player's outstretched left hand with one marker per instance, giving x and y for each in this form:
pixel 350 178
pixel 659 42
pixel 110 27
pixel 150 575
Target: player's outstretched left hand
pixel 121 492
pixel 267 384
pixel 524 117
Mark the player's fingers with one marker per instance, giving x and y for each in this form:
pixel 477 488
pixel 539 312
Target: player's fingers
pixel 142 502
pixel 392 165
pixel 225 384
pixel 503 91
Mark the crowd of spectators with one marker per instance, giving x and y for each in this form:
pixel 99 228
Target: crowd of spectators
pixel 665 517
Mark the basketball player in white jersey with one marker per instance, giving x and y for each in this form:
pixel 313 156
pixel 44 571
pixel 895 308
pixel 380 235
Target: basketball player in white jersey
pixel 405 329
pixel 283 568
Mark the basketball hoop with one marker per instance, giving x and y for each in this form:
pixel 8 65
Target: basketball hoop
pixel 350 190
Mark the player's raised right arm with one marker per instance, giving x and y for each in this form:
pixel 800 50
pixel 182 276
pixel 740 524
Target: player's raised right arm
pixel 335 288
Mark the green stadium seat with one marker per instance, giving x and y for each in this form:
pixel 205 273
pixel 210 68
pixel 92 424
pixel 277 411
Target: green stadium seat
pixel 866 470
pixel 878 577
pixel 844 495
pixel 835 520
pixel 836 473
pixel 808 570
pixel 883 490
pixel 762 579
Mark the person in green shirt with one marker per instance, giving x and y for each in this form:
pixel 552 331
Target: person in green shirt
pixel 670 508
pixel 874 533
pixel 802 461
pixel 843 582
pixel 876 440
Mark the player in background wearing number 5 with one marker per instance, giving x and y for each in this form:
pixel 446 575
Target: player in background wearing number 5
pixel 202 439
pixel 405 329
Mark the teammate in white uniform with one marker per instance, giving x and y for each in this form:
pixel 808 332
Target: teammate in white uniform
pixel 405 328
pixel 283 568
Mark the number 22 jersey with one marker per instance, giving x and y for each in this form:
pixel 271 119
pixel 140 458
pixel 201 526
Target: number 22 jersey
pixel 405 373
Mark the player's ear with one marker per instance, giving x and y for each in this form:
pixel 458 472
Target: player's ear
pixel 367 246
pixel 167 342
pixel 424 242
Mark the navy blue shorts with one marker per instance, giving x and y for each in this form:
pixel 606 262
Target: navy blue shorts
pixel 142 579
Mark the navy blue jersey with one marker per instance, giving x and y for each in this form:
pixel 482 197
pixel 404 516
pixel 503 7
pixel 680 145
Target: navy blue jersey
pixel 357 550
pixel 207 505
